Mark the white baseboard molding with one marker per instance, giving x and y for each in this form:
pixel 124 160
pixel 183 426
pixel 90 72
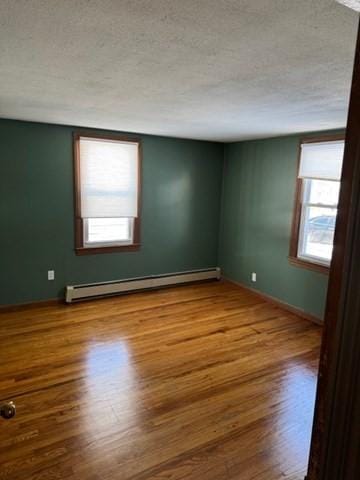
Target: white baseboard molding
pixel 94 290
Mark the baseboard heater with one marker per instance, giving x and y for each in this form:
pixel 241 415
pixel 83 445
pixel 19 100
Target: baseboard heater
pixel 104 289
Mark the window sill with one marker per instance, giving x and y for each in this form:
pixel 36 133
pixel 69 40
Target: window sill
pixel 316 267
pixel 113 249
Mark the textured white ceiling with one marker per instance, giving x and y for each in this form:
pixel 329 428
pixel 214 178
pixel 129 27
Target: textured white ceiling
pixel 207 69
pixel 354 4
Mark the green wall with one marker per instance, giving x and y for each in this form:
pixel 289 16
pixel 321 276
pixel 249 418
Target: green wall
pixel 180 212
pixel 184 184
pixel 257 207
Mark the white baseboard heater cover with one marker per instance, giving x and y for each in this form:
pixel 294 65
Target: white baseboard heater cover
pixel 79 292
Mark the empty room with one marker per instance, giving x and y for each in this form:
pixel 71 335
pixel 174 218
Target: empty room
pixel 178 228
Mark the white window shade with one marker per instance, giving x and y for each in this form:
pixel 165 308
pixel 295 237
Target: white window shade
pixel 108 178
pixel 322 160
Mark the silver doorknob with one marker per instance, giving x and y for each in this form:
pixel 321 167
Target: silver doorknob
pixel 7 410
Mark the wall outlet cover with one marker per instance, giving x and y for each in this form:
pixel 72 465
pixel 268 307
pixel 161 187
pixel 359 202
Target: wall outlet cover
pixel 51 274
pixel 253 277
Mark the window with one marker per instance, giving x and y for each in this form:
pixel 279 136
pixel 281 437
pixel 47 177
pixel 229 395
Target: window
pixel 107 191
pixel 108 231
pixel 318 188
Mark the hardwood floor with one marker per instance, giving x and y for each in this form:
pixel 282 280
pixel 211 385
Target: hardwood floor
pixel 203 382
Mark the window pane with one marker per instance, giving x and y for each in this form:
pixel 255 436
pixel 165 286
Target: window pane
pixel 324 192
pixel 106 230
pixel 317 232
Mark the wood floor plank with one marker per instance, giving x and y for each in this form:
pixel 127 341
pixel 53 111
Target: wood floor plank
pixel 206 381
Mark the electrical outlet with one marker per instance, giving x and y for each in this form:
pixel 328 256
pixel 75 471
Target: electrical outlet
pixel 253 277
pixel 51 274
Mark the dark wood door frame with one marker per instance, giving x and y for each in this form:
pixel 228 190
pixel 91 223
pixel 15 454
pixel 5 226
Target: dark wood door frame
pixel 335 445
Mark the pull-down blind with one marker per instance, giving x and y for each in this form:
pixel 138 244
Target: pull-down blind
pixel 322 160
pixel 108 178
